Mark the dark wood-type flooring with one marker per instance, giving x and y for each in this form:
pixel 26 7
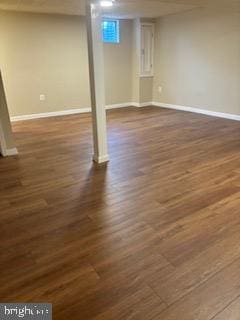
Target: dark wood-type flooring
pixel 153 235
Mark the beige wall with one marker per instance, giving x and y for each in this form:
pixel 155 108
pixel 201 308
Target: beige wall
pixel 118 66
pixel 146 88
pixel 47 54
pixel 197 62
pixel 197 59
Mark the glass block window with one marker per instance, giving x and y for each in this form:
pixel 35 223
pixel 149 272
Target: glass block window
pixel 110 31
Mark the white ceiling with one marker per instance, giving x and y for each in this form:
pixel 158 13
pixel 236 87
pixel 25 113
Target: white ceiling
pixel 122 8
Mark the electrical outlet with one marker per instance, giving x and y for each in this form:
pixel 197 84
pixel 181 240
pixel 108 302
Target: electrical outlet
pixel 42 97
pixel 160 89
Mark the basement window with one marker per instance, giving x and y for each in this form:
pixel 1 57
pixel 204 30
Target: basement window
pixel 110 31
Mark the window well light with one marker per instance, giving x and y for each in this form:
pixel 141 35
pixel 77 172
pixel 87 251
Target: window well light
pixel 106 3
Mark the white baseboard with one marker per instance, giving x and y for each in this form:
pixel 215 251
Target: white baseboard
pixel 129 104
pixel 50 114
pixel 141 105
pixel 135 104
pixel 11 152
pixel 66 112
pixel 145 104
pixel 196 110
pixel 118 105
pixel 102 159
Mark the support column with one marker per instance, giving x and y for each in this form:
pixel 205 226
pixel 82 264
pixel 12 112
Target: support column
pixel 7 144
pixel 96 71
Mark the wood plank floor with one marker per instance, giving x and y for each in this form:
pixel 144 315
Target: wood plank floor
pixel 153 235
